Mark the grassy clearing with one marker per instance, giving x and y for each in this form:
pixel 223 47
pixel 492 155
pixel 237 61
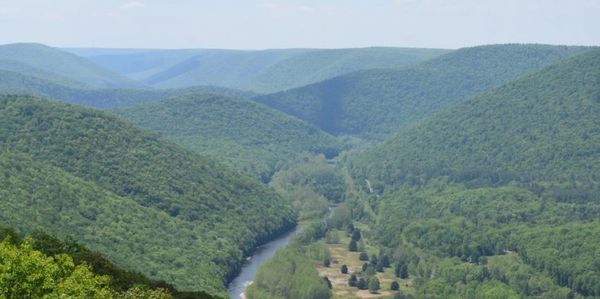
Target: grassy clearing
pixel 340 255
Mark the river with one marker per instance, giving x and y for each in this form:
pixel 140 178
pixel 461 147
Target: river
pixel 237 287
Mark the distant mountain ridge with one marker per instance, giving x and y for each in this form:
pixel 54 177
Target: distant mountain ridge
pixel 58 66
pixel 543 126
pixel 257 70
pixel 374 103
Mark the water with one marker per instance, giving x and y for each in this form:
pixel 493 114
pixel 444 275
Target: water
pixel 263 253
pixel 237 287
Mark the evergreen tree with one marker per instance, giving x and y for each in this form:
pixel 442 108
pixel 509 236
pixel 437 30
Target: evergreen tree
pixel 373 285
pixel 352 246
pixel 352 282
pixel 362 284
pixel 363 256
pixel 344 269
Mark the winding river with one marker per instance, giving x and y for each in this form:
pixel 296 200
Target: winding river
pixel 237 287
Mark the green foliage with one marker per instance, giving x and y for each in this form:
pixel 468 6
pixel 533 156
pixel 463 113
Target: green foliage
pixel 145 203
pixel 542 127
pixel 345 105
pixel 122 283
pixel 362 284
pixel 363 256
pixel 252 137
pixel 352 246
pixel 288 274
pixel 341 218
pixel 344 269
pixel 313 172
pixel 373 285
pixel 513 169
pixel 27 273
pixel 353 280
pixel 332 237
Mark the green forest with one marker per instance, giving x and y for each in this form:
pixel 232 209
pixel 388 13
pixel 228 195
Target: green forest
pixel 345 105
pixel 379 172
pixel 163 205
pixel 251 137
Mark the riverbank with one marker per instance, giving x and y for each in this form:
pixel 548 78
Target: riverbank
pixel 238 285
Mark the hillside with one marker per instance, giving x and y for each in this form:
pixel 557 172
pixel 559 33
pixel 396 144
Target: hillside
pixel 251 136
pixel 146 203
pixel 260 71
pixel 375 103
pixel 58 66
pixel 15 83
pixel 123 283
pixel 502 188
pixel 541 127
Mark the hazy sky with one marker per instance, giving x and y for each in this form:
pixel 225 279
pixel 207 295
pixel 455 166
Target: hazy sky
pixel 252 24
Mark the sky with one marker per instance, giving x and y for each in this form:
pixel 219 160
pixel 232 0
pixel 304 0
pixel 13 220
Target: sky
pixel 261 24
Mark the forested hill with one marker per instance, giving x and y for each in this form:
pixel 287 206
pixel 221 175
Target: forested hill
pixel 374 103
pixel 253 137
pixel 163 210
pixel 541 127
pixel 504 184
pixel 59 67
pixel 12 83
pixel 260 71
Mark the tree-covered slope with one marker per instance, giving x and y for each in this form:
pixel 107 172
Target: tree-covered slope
pixel 122 283
pixel 541 127
pixel 58 66
pixel 16 83
pixel 254 138
pixel 374 103
pixel 509 175
pixel 178 216
pixel 260 71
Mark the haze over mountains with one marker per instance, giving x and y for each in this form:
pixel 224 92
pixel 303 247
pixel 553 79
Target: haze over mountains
pixel 259 71
pixel 469 173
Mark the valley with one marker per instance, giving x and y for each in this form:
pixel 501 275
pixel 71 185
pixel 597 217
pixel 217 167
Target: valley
pixel 377 172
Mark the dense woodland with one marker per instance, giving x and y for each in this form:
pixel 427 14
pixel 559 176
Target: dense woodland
pixel 253 138
pixel 510 172
pixel 163 205
pixel 374 103
pixel 456 174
